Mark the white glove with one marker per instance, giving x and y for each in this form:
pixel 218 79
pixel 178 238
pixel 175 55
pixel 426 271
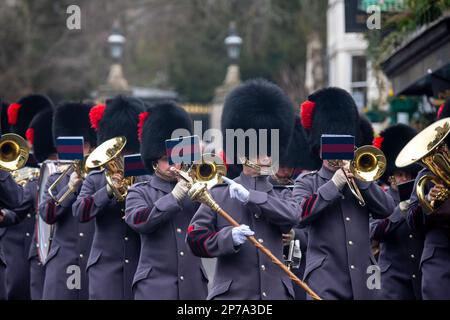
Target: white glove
pixel 240 234
pixel 404 205
pixel 339 179
pixel 74 181
pixel 237 191
pixel 180 190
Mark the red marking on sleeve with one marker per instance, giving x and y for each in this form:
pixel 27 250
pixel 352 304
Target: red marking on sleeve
pixel 308 204
pixel 87 206
pixel 380 230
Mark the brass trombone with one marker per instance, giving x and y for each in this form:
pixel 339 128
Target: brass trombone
pixel 429 149
pixel 109 156
pixel 14 152
pixel 368 164
pixel 77 166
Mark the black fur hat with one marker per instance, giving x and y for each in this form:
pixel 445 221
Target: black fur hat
pixel 157 125
pixel 444 110
pixel 365 134
pixel 298 154
pixel 121 118
pixel 329 111
pixel 40 136
pixel 21 113
pixel 258 104
pixel 391 141
pixel 72 119
pixel 4 125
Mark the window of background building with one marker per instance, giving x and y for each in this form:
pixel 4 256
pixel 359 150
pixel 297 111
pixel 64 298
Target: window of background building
pixel 359 80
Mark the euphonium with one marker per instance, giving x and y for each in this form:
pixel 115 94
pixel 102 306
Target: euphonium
pixel 67 168
pixel 24 175
pixel 109 156
pixel 428 148
pixel 14 152
pixel 368 164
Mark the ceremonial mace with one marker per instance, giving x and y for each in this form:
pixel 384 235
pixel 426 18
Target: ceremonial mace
pixel 199 192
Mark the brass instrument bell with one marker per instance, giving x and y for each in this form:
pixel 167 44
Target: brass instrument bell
pixel 14 152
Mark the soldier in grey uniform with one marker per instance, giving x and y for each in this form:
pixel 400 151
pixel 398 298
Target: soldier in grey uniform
pixel 400 246
pixel 339 252
pixel 65 277
pixel 19 116
pixel 4 128
pixel 115 249
pixel 435 259
pixel 296 160
pixel 19 223
pixel 242 272
pixel 160 211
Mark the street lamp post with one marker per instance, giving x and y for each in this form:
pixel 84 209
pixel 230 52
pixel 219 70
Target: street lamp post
pixel 233 44
pixel 116 83
pixel 116 43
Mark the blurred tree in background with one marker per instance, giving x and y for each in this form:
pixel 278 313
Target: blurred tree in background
pixel 171 44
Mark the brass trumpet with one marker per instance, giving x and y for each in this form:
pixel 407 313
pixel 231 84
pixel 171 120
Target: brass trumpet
pixel 368 164
pixel 14 152
pixel 68 167
pixel 109 156
pixel 428 148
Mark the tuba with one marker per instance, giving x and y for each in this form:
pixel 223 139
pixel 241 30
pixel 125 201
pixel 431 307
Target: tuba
pixel 67 167
pixel 429 149
pixel 14 152
pixel 109 156
pixel 368 164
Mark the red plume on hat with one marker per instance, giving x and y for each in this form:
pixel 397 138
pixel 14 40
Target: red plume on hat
pixel 378 142
pixel 29 134
pixel 13 113
pixel 306 113
pixel 142 117
pixel 96 114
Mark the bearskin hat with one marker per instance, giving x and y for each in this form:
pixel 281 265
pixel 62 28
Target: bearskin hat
pixel 40 136
pixel 120 118
pixel 4 125
pixel 365 134
pixel 298 154
pixel 23 111
pixel 328 111
pixel 72 119
pixel 258 104
pixel 391 141
pixel 156 125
